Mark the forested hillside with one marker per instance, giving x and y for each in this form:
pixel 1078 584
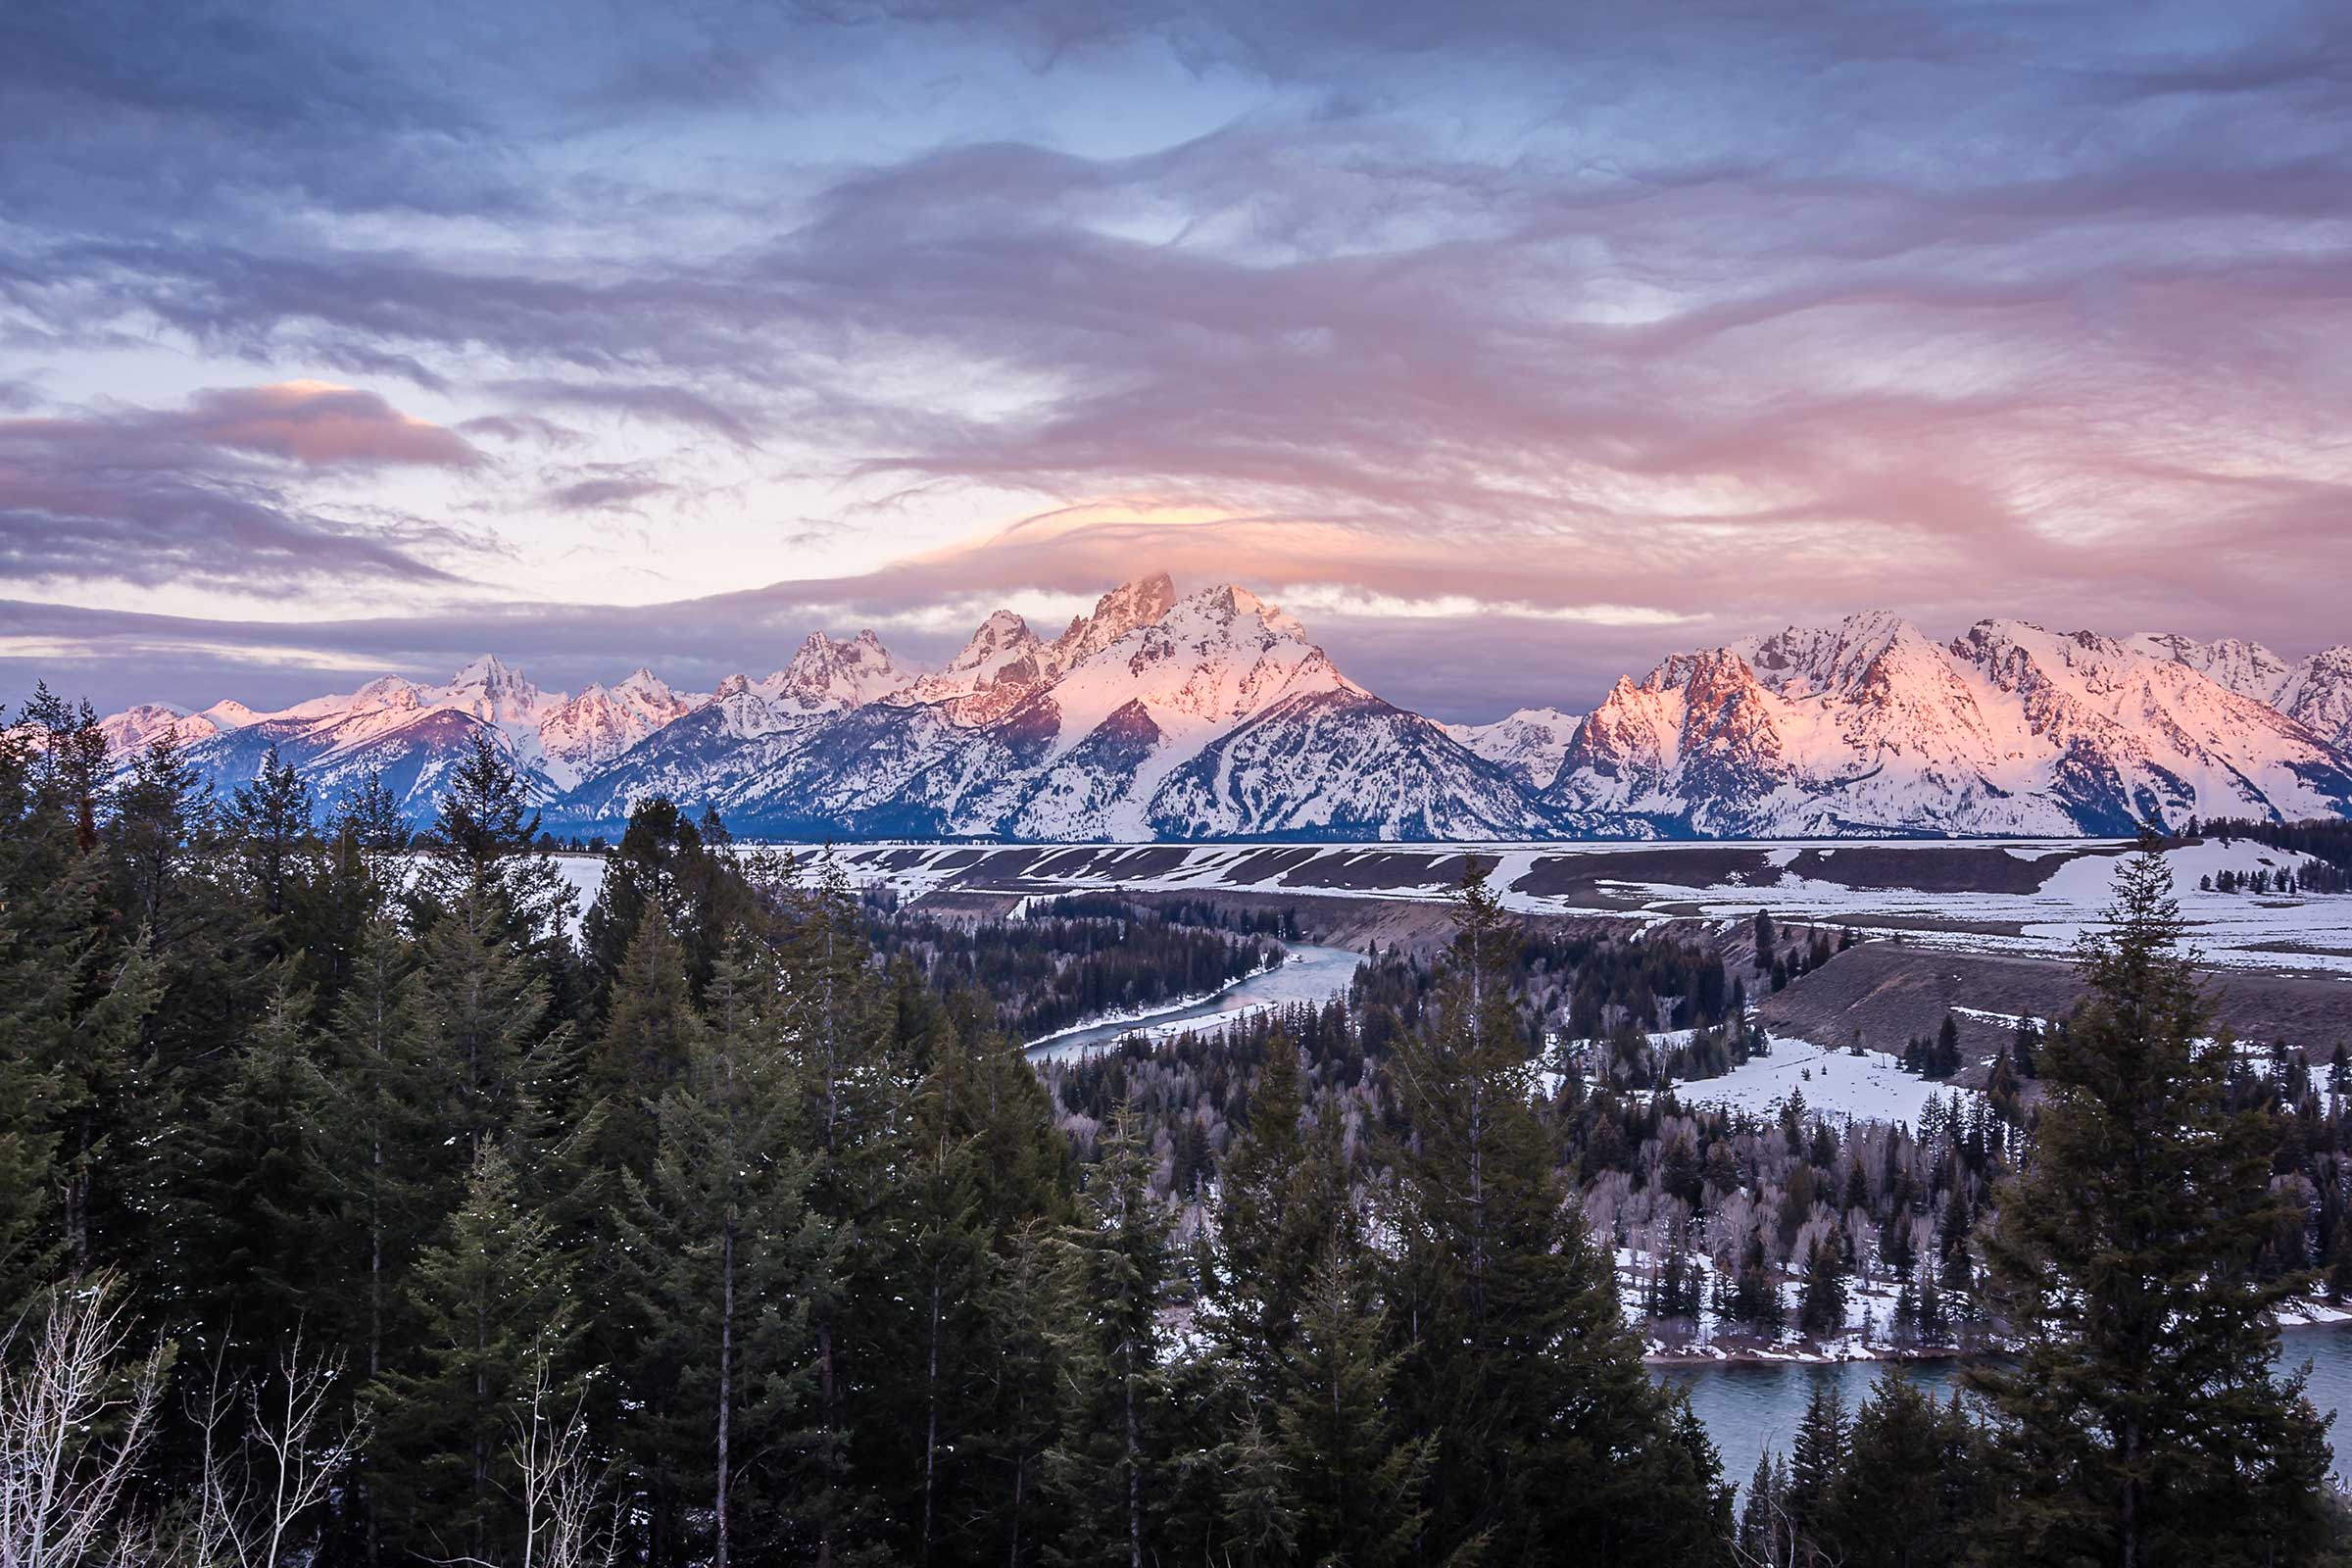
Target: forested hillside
pixel 353 1210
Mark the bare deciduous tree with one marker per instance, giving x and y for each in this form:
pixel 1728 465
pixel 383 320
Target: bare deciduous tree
pixel 74 1422
pixel 256 1487
pixel 564 1524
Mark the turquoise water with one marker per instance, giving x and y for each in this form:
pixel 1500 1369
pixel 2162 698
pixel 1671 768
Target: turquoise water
pixel 1749 1408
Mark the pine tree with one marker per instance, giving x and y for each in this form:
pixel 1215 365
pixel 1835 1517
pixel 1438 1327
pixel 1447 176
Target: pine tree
pixel 1912 1485
pixel 1353 1485
pixel 385 1149
pixel 1522 1369
pixel 846 1085
pixel 2142 1423
pixel 253 1238
pixel 1272 1224
pixel 495 1304
pixel 1103 1468
pixel 640 1051
pixel 73 1088
pixel 481 1005
pixel 1028 1302
pixel 735 1258
pixel 1822 1313
pixel 1815 1462
pixel 1257 1523
pixel 271 822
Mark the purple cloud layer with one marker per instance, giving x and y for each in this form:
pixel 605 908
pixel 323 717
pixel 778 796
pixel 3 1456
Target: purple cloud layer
pixel 1723 316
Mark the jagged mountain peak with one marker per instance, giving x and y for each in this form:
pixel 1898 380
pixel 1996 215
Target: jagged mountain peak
pixel 1215 713
pixel 830 675
pixel 1859 648
pixel 1140 602
pixel 1528 743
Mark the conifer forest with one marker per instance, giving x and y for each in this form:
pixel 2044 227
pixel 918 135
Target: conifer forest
pixel 364 1199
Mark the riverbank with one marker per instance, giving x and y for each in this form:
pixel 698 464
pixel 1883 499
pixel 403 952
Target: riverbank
pixel 1740 1350
pixel 1308 974
pixel 1125 1017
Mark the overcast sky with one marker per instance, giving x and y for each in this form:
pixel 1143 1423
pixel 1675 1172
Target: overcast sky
pixel 1511 343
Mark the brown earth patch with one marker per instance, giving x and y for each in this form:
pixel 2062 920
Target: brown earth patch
pixel 1958 868
pixel 1890 992
pixel 1568 875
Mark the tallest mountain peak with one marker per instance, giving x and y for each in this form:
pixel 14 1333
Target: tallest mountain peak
pixel 1117 612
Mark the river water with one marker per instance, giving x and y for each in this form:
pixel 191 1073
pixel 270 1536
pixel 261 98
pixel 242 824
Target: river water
pixel 1309 974
pixel 1750 1406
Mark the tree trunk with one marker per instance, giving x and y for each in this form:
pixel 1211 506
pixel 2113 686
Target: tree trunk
pixel 931 1428
pixel 726 1367
pixel 827 1392
pixel 1134 1511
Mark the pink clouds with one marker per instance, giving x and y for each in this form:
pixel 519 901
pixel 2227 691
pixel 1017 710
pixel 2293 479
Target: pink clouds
pixel 320 425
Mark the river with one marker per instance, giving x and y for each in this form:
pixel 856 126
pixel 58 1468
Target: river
pixel 1309 974
pixel 1750 1406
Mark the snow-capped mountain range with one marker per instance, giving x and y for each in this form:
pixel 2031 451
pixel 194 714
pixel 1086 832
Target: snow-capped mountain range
pixel 1214 716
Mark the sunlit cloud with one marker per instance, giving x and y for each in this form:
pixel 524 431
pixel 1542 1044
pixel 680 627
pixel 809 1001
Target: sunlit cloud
pixel 1555 332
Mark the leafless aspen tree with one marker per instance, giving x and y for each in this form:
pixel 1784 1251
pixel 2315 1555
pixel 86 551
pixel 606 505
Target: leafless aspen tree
pixel 74 1422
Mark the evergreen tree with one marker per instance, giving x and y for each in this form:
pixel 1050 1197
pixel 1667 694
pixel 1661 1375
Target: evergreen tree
pixel 271 822
pixel 640 1051
pixel 735 1257
pixel 1029 1300
pixel 1353 1485
pixel 1912 1485
pixel 1815 1462
pixel 495 1304
pixel 386 1148
pixel 1521 1372
pixel 2142 1423
pixel 1822 1313
pixel 1103 1469
pixel 665 861
pixel 75 1089
pixel 1272 1225
pixel 253 1238
pixel 480 1003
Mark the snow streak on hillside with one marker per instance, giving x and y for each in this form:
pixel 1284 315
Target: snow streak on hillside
pixel 1214 716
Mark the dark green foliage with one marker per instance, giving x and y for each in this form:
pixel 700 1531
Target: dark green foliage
pixel 2142 1423
pixel 495 1311
pixel 1104 1471
pixel 1520 1373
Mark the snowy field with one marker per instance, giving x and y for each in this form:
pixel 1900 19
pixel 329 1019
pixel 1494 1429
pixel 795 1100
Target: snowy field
pixel 1872 1087
pixel 2235 930
pixel 2239 930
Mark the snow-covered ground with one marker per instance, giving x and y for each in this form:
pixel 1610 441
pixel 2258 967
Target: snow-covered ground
pixel 2268 931
pixel 1867 1334
pixel 586 874
pixel 1872 1087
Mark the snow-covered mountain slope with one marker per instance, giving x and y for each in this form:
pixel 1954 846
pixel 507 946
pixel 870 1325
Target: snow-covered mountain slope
pixel 134 729
pixel 1871 727
pixel 403 728
pixel 1529 744
pixel 1084 753
pixel 2317 691
pixel 581 735
pixel 1344 764
pixel 830 677
pixel 412 749
pixel 1215 715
